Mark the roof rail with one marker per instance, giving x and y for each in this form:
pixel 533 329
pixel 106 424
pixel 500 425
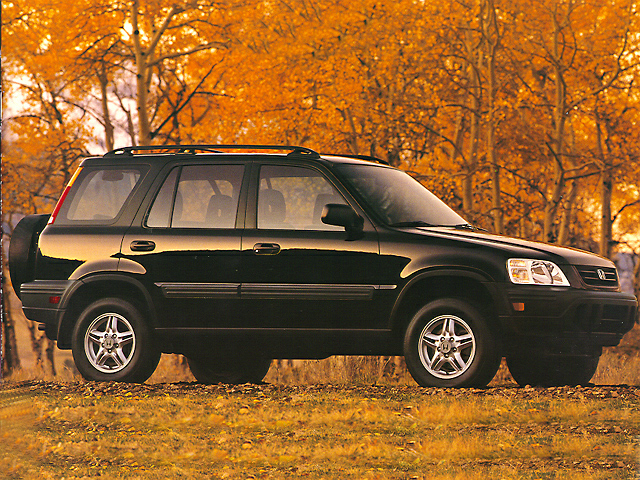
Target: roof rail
pixel 364 157
pixel 192 149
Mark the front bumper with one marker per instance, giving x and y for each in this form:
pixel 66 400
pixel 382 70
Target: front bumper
pixel 567 318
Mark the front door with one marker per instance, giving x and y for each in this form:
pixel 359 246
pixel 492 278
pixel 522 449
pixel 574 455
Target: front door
pixel 297 272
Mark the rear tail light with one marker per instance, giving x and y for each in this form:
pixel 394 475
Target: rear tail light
pixel 63 196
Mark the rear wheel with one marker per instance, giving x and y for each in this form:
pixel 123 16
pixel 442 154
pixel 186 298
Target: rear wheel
pixel 535 369
pixel 111 341
pixel 449 343
pixel 230 368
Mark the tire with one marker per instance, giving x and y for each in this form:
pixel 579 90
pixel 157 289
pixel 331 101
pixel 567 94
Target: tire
pixel 232 368
pixel 112 342
pixel 449 343
pixel 532 368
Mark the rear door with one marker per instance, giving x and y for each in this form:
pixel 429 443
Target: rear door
pixel 189 244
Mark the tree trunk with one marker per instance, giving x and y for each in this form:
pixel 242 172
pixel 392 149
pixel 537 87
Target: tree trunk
pixel 145 58
pixel 106 119
pixel 143 78
pixel 45 362
pixel 467 179
pixel 36 344
pixel 144 130
pixel 557 145
pixel 9 358
pixel 492 38
pixel 471 164
pixel 636 277
pixel 564 230
pixel 49 355
pixel 606 183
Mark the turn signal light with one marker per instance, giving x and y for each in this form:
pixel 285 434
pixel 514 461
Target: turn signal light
pixel 518 306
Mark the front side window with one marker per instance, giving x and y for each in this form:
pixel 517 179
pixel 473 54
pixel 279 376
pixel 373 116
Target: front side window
pixel 293 198
pixel 99 194
pixel 198 196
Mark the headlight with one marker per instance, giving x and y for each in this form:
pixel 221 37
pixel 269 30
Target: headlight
pixel 535 272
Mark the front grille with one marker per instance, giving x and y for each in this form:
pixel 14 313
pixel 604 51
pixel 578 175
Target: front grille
pixel 599 276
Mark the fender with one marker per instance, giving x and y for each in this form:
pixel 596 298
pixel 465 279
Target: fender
pixel 108 265
pixel 104 278
pixel 459 259
pixel 444 271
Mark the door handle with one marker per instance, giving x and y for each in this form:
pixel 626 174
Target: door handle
pixel 266 249
pixel 142 245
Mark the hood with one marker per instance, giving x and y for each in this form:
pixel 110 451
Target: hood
pixel 519 248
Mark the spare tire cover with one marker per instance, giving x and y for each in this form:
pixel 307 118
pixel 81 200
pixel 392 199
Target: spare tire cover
pixel 23 249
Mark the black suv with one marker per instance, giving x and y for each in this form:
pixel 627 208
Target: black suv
pixel 236 255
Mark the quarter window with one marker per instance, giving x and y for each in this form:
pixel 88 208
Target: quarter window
pixel 99 195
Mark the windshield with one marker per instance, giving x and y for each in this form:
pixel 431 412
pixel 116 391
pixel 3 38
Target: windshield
pixel 396 198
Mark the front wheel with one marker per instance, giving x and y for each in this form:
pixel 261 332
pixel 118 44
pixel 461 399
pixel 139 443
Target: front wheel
pixel 112 342
pixel 449 343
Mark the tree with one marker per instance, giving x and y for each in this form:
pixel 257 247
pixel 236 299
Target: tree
pixel 554 76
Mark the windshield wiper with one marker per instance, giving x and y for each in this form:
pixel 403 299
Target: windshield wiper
pixel 421 223
pixel 464 226
pixel 468 226
pixel 414 223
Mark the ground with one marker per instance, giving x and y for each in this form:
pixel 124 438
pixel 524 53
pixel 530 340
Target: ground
pixel 187 430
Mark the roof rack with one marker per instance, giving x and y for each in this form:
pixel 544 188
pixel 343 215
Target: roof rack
pixel 364 157
pixel 192 149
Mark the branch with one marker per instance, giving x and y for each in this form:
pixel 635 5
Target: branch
pixel 444 138
pixel 178 109
pixel 198 48
pixel 526 180
pixel 636 202
pixel 165 23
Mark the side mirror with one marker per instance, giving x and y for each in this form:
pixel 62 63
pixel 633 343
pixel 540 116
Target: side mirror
pixel 343 216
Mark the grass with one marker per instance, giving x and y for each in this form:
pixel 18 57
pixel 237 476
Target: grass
pixel 78 430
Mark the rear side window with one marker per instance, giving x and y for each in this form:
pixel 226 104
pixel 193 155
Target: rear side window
pixel 99 195
pixel 205 196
